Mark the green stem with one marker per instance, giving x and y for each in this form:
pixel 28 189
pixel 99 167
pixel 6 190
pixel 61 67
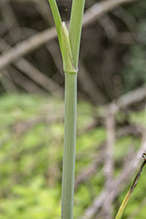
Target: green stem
pixel 69 44
pixel 75 29
pixel 69 146
pixel 56 16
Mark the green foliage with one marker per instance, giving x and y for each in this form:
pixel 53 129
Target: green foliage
pixel 31 139
pixel 33 201
pixel 134 72
pixel 139 117
pixel 27 151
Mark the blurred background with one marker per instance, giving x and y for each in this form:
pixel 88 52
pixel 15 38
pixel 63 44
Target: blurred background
pixel 111 127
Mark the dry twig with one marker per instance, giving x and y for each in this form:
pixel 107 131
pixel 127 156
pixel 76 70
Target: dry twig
pixel 108 166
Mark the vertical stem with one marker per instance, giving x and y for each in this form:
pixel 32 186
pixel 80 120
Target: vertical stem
pixel 75 29
pixel 69 146
pixel 56 16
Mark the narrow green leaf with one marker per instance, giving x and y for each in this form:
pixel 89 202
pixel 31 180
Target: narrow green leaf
pixel 56 15
pixel 123 206
pixel 75 28
pixel 129 193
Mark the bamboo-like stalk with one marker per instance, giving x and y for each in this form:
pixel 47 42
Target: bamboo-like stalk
pixel 69 44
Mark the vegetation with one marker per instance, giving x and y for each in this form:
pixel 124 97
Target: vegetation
pixel 31 134
pixel 110 138
pixel 69 41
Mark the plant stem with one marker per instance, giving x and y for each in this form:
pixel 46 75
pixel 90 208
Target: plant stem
pixel 129 193
pixel 56 16
pixel 69 146
pixel 75 29
pixel 69 44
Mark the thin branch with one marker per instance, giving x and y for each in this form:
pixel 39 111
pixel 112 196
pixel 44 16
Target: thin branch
pixel 27 68
pixel 7 82
pixel 10 20
pixel 27 84
pixel 98 9
pixel 109 166
pixel 109 26
pixel 37 76
pixel 125 100
pixel 27 46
